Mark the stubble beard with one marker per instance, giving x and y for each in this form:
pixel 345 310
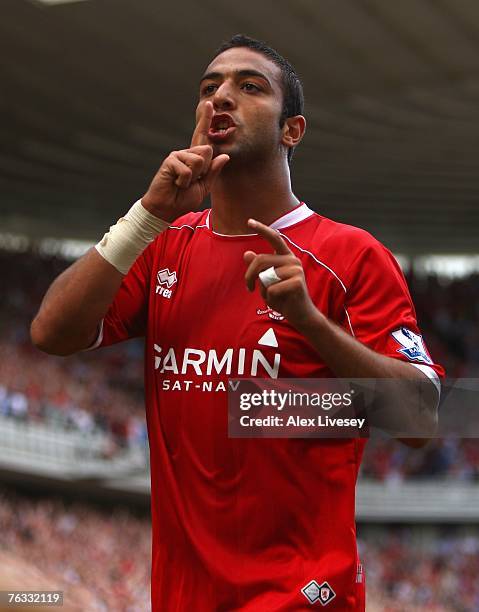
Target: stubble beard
pixel 249 154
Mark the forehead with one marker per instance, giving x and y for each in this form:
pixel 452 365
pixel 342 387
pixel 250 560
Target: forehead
pixel 243 58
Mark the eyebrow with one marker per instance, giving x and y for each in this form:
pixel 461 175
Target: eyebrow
pixel 242 73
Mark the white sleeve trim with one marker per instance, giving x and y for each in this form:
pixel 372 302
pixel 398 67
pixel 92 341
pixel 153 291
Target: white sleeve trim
pixel 431 374
pixel 99 338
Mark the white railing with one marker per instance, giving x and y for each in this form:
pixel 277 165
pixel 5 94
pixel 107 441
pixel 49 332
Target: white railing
pixel 69 455
pixel 437 501
pixel 39 448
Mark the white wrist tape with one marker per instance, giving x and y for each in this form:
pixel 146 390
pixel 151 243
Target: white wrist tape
pixel 130 236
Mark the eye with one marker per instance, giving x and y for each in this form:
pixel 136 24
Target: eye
pixel 250 87
pixel 208 89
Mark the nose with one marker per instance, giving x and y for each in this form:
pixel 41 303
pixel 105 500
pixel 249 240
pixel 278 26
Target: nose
pixel 224 97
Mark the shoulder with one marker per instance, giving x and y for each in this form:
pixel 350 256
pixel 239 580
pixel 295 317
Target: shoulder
pixel 337 235
pixel 362 255
pixel 338 246
pixel 322 233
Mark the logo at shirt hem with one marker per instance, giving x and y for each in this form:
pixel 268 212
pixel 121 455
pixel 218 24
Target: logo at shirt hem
pixel 318 592
pixel 166 280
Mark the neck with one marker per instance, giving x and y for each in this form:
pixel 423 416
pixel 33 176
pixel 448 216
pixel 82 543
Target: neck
pixel 239 194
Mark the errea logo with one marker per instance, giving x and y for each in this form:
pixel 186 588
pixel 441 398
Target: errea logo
pixel 166 280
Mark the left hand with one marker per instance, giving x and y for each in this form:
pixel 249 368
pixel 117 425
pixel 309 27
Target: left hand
pixel 290 295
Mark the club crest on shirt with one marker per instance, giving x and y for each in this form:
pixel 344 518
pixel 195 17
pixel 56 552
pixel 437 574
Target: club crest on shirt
pixel 272 314
pixel 318 592
pixel 412 345
pixel 166 280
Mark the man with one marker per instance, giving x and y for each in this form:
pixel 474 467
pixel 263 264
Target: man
pixel 258 286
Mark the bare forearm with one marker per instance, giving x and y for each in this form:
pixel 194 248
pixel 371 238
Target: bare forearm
pixel 346 356
pixel 408 401
pixel 74 305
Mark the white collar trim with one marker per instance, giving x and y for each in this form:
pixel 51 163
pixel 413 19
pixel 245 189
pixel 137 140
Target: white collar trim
pixel 295 216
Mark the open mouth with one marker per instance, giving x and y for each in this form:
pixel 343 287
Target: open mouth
pixel 221 127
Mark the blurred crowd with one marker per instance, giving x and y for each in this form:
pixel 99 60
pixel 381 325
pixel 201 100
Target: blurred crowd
pixel 448 315
pixel 103 390
pixel 405 571
pixel 106 554
pixel 97 391
pixel 447 458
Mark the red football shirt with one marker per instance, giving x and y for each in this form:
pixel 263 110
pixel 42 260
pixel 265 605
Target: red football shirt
pixel 252 524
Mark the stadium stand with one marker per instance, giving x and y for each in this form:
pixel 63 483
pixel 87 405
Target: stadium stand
pixel 87 393
pixel 99 558
pixel 435 570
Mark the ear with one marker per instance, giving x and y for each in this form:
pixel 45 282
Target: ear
pixel 293 131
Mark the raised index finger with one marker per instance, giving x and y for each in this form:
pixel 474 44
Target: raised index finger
pixel 272 236
pixel 200 135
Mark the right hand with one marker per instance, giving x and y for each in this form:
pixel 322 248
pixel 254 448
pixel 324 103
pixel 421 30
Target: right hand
pixel 185 177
